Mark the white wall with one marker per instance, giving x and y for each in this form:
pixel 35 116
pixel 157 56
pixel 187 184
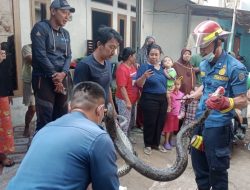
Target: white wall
pixel 80 27
pixel 169 29
pixel 170 33
pixel 244 5
pixel 147 20
pixel 25 21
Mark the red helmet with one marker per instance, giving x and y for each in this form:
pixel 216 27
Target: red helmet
pixel 206 32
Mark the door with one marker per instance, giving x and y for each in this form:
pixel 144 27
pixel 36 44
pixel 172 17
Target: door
pixel 99 18
pixel 122 28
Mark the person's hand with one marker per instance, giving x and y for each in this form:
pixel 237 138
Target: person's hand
pixel 59 88
pixel 128 105
pixel 169 109
pixel 187 99
pixel 148 73
pixel 2 55
pixel 58 77
pixel 196 69
pixel 220 103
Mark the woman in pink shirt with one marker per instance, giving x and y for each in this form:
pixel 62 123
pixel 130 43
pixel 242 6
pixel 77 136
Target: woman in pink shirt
pixel 126 93
pixel 172 122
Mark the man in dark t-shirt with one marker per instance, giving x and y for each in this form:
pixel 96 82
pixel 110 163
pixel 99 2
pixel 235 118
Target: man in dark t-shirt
pixel 95 67
pixel 89 69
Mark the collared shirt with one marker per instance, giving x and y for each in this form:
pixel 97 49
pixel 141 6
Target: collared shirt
pixel 68 154
pixel 226 72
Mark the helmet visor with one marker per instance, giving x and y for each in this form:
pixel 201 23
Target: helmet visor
pixel 202 40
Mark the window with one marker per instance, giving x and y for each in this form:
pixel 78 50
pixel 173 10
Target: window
pixel 99 19
pixel 122 5
pixel 133 8
pixel 40 10
pixel 108 2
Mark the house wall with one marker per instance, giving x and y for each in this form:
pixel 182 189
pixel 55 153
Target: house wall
pixel 169 29
pixel 244 39
pixel 80 29
pixel 147 20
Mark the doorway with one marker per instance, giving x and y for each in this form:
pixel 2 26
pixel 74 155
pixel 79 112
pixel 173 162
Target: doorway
pixel 100 18
pixel 122 28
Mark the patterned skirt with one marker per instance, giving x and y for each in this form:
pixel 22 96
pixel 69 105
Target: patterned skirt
pixel 6 130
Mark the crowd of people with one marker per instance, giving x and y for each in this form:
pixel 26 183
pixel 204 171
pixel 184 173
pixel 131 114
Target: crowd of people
pixel 163 95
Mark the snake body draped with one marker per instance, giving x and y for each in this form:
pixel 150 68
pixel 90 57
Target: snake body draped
pixel 125 151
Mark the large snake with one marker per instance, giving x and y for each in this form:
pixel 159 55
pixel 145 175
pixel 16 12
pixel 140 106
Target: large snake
pixel 113 128
pixel 166 174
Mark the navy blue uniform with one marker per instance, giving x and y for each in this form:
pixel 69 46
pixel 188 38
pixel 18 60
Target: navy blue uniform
pixel 211 166
pixel 51 53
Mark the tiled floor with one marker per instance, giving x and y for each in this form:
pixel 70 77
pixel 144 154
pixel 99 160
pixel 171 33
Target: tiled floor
pixel 21 147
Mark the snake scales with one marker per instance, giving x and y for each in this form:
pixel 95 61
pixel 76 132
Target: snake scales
pixel 125 149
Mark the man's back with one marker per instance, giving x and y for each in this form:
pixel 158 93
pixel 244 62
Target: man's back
pixel 68 154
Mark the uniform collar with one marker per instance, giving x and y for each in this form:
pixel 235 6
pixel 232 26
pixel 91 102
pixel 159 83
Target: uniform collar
pixel 221 61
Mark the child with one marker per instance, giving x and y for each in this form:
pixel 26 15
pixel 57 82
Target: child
pixel 170 73
pixel 172 122
pixel 189 114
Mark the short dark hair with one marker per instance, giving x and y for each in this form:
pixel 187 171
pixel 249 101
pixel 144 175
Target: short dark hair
pixel 86 95
pixel 153 46
pixel 126 52
pixel 105 33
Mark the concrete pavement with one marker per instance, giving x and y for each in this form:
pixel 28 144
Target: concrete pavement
pixel 238 173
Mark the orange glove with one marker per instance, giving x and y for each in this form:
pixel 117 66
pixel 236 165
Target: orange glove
pixel 220 103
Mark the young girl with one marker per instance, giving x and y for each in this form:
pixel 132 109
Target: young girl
pixel 172 122
pixel 170 73
pixel 187 113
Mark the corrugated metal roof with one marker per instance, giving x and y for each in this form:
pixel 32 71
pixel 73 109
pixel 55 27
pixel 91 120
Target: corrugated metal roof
pixel 180 7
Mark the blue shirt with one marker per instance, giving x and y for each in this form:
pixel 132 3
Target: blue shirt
pixel 155 84
pixel 91 70
pixel 226 72
pixel 68 154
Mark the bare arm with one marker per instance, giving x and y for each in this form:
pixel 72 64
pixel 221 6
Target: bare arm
pixel 126 98
pixel 140 81
pixel 28 59
pixel 197 94
pixel 111 100
pixel 240 101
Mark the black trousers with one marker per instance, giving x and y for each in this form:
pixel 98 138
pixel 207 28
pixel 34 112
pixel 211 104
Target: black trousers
pixel 154 108
pixel 49 104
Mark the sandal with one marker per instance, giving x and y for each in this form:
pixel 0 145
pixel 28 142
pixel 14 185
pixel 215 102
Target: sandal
pixel 162 149
pixel 148 150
